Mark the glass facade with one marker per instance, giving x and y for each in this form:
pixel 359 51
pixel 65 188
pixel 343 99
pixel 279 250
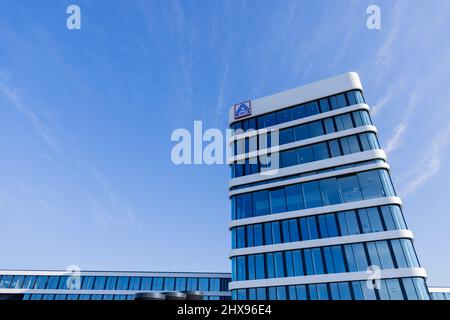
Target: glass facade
pixel 387 254
pixel 440 293
pixel 344 223
pixel 313 129
pixel 390 289
pixel 335 190
pixel 213 287
pixel 310 153
pixel 279 236
pixel 300 111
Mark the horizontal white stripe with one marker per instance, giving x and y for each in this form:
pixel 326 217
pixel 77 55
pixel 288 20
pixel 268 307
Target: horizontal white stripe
pixel 309 92
pixel 439 289
pixel 310 167
pixel 300 143
pixel 319 210
pixel 79 292
pixel 320 116
pixel 318 176
pixel 325 278
pixel 115 273
pixel 365 237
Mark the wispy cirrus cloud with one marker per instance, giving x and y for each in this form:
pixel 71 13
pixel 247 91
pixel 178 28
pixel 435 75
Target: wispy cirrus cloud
pixel 396 139
pixel 429 165
pixel 36 121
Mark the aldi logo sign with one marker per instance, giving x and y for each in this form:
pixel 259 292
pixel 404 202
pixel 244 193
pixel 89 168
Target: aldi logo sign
pixel 242 109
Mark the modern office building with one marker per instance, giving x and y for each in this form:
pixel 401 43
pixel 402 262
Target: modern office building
pixel 96 285
pixel 320 220
pixel 327 224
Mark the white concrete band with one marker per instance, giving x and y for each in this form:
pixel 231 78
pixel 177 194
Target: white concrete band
pixel 342 240
pixel 326 278
pixel 309 92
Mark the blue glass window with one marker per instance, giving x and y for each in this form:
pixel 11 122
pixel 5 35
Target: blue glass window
pixel 268 233
pixel 374 219
pixel 324 105
pixel 284 115
pixel 277 200
pixel 288 158
pixel 285 229
pixel 315 129
pixel 320 151
pixel 301 292
pixel 312 228
pixel 286 135
pixel 352 222
pixel 111 283
pixel 301 132
pixel 344 122
pixel 258 234
pixel 260 271
pixel 370 184
pixel 122 283
pixel 335 148
pixel 180 284
pixel 330 191
pixel 331 225
pixel 410 253
pixel 250 242
pixel 241 269
pixel 298 263
pixel 329 125
pixel 279 265
pixel 157 284
pixel 270 266
pixel 312 194
pixel 261 293
pixel 311 108
pixel 276 233
pixel 357 291
pixel 350 189
pixel 261 203
pixel 270 120
pixel 244 205
pixel 192 284
pixel 322 291
pixel 240 234
pixel 293 230
pixel 88 283
pixel 344 291
pixel 305 154
pixel 298 112
pixel 360 256
pixel 393 287
pixel 338 259
pixel 251 267
pixel 294 197
pixel 146 283
pixel 289 264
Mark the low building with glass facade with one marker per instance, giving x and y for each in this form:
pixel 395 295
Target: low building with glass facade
pixel 97 285
pixel 439 293
pixel 325 222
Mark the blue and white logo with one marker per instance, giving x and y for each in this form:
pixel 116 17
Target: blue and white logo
pixel 242 109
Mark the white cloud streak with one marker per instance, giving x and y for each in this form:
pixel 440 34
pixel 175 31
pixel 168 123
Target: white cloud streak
pixel 30 116
pixel 430 164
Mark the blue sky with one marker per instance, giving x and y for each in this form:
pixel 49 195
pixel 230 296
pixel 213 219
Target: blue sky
pixel 86 118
